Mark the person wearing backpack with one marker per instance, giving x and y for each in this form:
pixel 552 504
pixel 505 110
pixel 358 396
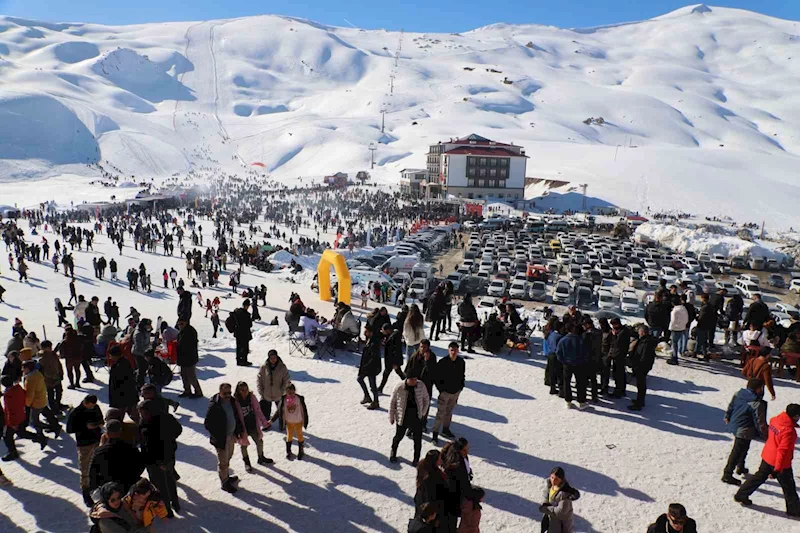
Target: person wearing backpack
pixel 160 375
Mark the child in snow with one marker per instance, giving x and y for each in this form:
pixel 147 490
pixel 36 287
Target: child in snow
pixel 471 513
pixel 215 322
pixel 208 306
pixel 364 299
pixel 253 419
pixel 293 417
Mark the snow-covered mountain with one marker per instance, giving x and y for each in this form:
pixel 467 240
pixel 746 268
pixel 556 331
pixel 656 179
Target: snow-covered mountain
pixel 700 108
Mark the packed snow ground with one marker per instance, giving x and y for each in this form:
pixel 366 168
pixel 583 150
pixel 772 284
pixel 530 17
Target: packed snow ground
pixel 699 106
pixel 628 466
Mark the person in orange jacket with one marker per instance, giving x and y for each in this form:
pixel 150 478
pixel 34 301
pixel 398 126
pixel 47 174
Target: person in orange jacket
pixel 776 460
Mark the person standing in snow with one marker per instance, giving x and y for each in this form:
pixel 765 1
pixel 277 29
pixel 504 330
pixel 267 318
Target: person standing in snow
pixel 574 357
pixel 678 322
pixel 776 461
pixel 618 353
pixel 187 359
pixel 271 382
pixel 85 422
pixel 224 428
pixel 292 415
pixel 370 367
pixel 450 377
pixel 253 420
pixel 244 324
pixel 407 408
pixel 642 359
pixel 557 505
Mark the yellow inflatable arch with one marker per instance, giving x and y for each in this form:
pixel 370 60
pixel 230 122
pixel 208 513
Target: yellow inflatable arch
pixel 329 257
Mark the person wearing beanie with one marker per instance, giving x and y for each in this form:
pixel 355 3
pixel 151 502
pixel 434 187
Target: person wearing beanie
pixel 292 415
pixel 407 408
pixel 85 421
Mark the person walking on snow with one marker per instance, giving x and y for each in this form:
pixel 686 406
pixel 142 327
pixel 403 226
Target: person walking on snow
pixel 776 461
pixel 747 418
pixel 450 377
pixel 224 428
pixel 271 382
pixel 85 422
pixel 408 406
pixel 370 368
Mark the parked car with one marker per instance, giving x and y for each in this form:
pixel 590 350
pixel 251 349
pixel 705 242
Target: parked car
pixel 728 286
pixel 748 289
pixel 629 302
pixel 496 288
pixel 634 280
pixel 584 298
pixel 518 290
pixel 605 300
pixel 561 293
pixel 455 278
pixel 790 310
pixel 538 291
pixel 776 280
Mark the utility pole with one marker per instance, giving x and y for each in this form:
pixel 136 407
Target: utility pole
pixel 372 148
pixel 383 118
pixel 584 186
pixel 391 83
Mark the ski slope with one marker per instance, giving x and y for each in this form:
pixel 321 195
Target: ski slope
pixel 699 106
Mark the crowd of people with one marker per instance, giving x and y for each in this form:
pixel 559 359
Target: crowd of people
pixel 127 453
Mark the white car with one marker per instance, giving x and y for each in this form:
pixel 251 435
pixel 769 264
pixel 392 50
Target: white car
pixel 518 290
pixel 604 270
pixel 629 303
pixel 651 278
pixel 794 286
pixel 486 306
pixel 455 278
pixel 669 275
pixel 464 270
pixel 575 272
pixel 579 259
pixel 650 264
pixel 790 310
pixel 620 272
pixel 538 291
pixel 605 300
pixel 728 286
pixel 747 288
pixel 469 263
pixel 752 278
pixel 497 287
pixel 561 293
pixel 706 279
pixel 633 280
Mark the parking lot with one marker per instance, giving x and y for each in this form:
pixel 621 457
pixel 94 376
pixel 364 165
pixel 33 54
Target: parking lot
pixel 624 255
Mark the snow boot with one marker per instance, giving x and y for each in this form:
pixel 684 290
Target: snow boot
pixel 730 480
pixel 366 400
pixel 374 405
pixel 435 438
pixel 289 454
pixel 447 433
pixel 228 486
pixel 265 460
pixel 10 456
pixel 247 466
pixel 87 497
pixel 301 451
pixel 741 471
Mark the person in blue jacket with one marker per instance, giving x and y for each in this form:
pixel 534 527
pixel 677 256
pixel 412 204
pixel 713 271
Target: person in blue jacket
pixel 573 355
pixel 747 420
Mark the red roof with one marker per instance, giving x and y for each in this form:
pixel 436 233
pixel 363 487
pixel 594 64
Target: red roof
pixel 496 152
pixel 637 218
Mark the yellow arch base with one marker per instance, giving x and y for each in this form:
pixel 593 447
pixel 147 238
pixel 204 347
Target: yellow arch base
pixel 329 257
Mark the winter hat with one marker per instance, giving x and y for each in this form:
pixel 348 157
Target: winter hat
pixel 113 426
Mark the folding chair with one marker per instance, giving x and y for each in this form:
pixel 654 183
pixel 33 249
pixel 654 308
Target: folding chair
pixel 297 343
pixel 354 344
pixel 325 343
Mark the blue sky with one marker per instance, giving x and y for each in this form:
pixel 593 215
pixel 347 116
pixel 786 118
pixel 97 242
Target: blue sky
pixel 411 15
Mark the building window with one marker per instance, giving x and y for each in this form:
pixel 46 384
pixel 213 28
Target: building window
pixel 481 183
pixel 483 173
pixel 516 197
pixel 470 182
pixel 493 162
pixel 483 161
pixel 493 173
pixel 503 173
pixel 504 162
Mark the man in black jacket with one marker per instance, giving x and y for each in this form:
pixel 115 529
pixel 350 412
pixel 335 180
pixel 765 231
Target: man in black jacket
pixel 733 314
pixel 187 359
pixel 85 422
pixel 450 376
pixel 423 363
pixel 370 368
pixel 116 460
pixel 93 314
pixel 184 304
pixel 392 353
pixel 593 339
pixel 657 314
pixel 618 353
pixel 122 392
pixel 642 358
pixel 224 427
pixel 706 325
pixel 244 323
pixel 159 432
pixel 436 312
pixel 757 313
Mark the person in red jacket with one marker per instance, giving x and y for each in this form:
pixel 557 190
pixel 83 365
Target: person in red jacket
pixel 14 413
pixel 776 460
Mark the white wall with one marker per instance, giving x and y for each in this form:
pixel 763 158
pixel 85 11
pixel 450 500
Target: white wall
pixel 516 178
pixel 457 171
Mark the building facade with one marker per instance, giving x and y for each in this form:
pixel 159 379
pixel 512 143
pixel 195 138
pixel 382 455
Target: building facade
pixel 474 167
pixel 411 180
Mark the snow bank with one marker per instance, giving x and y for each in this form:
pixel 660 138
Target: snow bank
pixel 708 239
